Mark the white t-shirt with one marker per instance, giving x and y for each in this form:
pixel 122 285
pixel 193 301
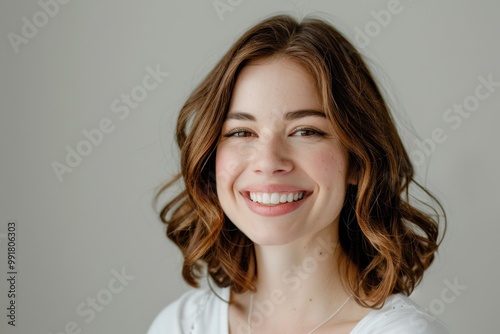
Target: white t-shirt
pixel 200 311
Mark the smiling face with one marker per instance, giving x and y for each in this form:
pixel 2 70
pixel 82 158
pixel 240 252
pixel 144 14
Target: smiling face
pixel 281 172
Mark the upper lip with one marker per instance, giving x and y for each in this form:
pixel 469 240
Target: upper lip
pixel 272 188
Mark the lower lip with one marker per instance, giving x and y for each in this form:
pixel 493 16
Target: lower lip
pixel 274 210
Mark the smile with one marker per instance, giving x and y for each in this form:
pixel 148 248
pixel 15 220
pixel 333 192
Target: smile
pixel 270 202
pixel 272 199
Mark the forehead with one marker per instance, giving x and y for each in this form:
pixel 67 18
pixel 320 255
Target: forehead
pixel 275 84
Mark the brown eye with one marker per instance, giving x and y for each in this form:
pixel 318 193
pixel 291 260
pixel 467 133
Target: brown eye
pixel 239 133
pixel 242 134
pixel 308 132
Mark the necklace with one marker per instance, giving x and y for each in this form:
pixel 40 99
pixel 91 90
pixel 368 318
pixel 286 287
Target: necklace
pixel 315 328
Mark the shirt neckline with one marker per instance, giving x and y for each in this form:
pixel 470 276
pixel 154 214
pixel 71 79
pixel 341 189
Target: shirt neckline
pixel 226 294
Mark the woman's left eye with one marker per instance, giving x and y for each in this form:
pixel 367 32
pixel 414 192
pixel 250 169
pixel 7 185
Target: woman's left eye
pixel 308 132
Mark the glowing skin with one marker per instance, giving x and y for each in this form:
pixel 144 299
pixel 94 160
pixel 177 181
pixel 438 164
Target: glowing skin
pixel 281 173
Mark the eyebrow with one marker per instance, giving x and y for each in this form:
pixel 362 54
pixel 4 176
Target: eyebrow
pixel 289 116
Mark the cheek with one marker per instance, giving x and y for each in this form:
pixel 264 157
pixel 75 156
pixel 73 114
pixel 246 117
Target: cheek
pixel 330 166
pixel 227 165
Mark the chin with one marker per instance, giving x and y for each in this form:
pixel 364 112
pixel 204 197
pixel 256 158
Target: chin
pixel 279 233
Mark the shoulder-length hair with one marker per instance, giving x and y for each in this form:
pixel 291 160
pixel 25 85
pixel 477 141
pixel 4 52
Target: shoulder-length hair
pixel 386 241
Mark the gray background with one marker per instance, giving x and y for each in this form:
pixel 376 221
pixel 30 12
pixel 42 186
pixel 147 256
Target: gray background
pixel 73 234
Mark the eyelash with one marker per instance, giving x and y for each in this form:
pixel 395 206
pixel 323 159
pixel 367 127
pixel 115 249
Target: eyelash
pixel 237 133
pixel 316 132
pixel 243 133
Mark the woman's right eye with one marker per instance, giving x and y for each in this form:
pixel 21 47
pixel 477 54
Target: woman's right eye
pixel 239 133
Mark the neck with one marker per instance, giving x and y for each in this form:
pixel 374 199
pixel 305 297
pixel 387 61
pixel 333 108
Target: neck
pixel 299 290
pixel 302 275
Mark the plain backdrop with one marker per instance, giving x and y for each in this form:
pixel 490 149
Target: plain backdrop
pixel 70 74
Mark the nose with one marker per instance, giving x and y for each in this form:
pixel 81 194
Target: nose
pixel 271 155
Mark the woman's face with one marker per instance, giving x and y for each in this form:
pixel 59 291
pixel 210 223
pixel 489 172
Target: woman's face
pixel 281 173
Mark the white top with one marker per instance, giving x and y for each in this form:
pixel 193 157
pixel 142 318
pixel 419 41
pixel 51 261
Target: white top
pixel 200 311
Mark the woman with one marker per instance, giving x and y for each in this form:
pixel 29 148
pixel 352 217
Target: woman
pixel 296 198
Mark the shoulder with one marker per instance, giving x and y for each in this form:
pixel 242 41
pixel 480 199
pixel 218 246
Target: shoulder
pixel 196 308
pixel 402 316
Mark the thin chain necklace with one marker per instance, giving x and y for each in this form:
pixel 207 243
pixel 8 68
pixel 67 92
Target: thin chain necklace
pixel 315 328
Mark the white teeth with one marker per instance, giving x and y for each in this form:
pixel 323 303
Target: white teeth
pixel 283 198
pixel 266 198
pixel 275 198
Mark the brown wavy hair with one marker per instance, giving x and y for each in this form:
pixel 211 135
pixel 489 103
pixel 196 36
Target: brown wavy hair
pixel 387 241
